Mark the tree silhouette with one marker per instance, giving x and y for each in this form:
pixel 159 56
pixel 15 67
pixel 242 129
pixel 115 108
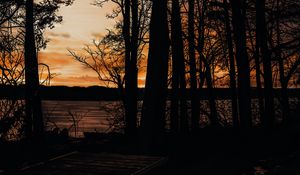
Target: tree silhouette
pixel 153 110
pixel 238 15
pixel 195 102
pixel 213 37
pixel 282 44
pixel 135 26
pixel 178 66
pixel 206 58
pixel 34 118
pixel 262 46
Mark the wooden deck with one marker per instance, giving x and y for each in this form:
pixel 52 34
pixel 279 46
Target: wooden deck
pixel 79 163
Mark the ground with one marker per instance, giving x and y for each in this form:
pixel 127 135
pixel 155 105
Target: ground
pixel 222 151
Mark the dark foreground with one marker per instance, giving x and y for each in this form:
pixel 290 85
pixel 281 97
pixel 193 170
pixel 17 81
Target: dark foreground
pixel 208 152
pixel 82 163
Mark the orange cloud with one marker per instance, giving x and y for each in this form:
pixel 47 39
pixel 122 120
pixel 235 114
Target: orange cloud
pixel 82 22
pixel 76 81
pixel 69 72
pixel 55 58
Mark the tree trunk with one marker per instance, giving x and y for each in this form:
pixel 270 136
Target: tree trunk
pixel 235 119
pixel 130 89
pixel 207 73
pixel 174 98
pixel 178 56
pixel 195 102
pixel 261 33
pixel 133 84
pixel 258 81
pixel 212 100
pixel 244 98
pixel 175 85
pixel 284 95
pixel 34 118
pixel 153 114
pixel 200 45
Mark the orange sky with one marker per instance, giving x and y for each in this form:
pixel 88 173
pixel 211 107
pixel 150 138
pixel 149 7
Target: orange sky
pixel 82 22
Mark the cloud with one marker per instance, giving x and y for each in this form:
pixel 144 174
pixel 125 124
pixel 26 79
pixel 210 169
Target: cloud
pixel 73 73
pixel 84 81
pixel 59 35
pixel 55 58
pixel 82 22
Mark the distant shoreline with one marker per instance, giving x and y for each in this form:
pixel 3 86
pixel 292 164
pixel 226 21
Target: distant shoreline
pixel 95 93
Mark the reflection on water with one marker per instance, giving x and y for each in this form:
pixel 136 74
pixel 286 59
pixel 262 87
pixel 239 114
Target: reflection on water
pixel 78 116
pixel 97 116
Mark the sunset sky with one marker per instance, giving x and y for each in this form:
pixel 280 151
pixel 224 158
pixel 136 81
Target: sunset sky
pixel 82 22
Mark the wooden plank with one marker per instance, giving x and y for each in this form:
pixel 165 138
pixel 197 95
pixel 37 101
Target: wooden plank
pixel 81 169
pixel 42 163
pixel 78 163
pixel 150 167
pixel 109 163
